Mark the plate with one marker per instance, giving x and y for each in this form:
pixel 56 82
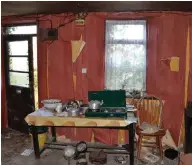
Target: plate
pixel 131 109
pixel 50 101
pixel 129 106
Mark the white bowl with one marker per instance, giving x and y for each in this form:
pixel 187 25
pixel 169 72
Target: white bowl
pixel 50 104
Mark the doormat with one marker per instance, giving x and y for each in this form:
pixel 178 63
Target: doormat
pixel 27 152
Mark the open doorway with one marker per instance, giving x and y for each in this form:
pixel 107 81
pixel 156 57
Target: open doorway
pixel 21 74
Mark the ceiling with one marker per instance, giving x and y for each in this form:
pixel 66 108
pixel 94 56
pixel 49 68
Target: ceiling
pixel 51 7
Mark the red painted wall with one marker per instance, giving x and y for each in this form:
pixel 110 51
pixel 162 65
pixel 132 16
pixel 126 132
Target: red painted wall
pixel 166 37
pixel 60 67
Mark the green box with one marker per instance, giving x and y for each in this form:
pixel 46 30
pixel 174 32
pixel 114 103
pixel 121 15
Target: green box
pixel 111 98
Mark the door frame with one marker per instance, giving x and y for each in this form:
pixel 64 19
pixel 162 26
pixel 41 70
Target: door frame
pixel 16 37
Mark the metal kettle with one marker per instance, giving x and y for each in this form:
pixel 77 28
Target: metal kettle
pixel 95 104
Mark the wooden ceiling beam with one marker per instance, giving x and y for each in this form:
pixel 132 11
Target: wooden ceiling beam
pixel 51 7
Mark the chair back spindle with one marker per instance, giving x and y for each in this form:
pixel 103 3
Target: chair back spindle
pixel 149 109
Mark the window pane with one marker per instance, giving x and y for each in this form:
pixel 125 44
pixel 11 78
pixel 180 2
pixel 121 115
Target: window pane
pixel 19 79
pixel 125 66
pixel 131 55
pixel 19 48
pixel 18 63
pixel 125 30
pixel 130 32
pixel 32 29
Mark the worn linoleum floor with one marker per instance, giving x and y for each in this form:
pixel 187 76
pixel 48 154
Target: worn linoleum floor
pixel 12 144
pixel 50 158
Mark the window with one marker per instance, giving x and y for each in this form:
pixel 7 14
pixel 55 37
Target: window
pixel 29 29
pixel 125 55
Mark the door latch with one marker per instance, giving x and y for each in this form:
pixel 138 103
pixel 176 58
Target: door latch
pixel 18 91
pixel 16 118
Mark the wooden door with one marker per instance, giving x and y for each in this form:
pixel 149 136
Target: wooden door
pixel 19 80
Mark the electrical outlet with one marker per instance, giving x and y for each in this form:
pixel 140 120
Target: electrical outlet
pixel 84 70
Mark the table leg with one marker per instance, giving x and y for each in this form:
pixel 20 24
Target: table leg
pixel 131 142
pixel 35 142
pixel 53 131
pixel 188 123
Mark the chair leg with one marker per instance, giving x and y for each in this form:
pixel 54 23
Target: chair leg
pixel 160 147
pixel 157 142
pixel 139 145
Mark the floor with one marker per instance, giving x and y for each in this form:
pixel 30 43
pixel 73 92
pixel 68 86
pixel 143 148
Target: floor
pixel 13 143
pixel 52 157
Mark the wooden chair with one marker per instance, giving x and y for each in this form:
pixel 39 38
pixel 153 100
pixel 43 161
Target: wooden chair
pixel 149 110
pixel 135 99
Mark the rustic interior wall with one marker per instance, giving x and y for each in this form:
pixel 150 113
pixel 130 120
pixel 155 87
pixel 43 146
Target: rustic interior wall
pixel 166 38
pixel 60 66
pixel 55 63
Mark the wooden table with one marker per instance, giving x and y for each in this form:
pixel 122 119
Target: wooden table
pixel 53 121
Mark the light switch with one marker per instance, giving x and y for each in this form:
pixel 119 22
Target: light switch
pixel 84 70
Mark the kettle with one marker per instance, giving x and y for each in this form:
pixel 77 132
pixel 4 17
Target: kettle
pixel 95 104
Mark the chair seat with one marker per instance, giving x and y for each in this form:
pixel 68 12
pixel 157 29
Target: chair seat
pixel 143 140
pixel 159 133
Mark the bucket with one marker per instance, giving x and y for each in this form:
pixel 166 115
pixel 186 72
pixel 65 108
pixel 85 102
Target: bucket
pixel 171 157
pixel 42 135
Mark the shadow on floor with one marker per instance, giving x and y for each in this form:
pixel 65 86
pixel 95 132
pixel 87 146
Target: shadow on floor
pixel 12 144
